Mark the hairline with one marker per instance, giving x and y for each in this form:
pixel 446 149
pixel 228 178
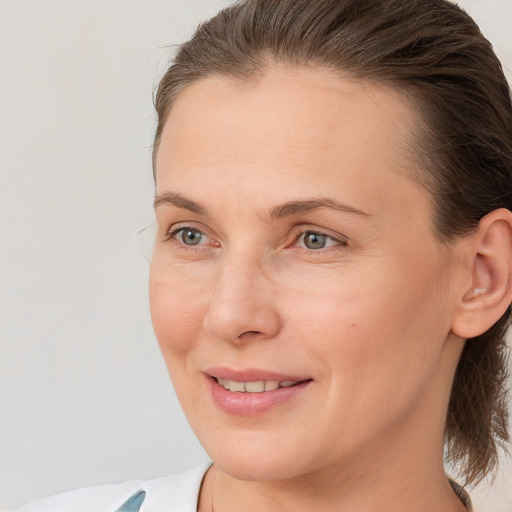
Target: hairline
pixel 414 150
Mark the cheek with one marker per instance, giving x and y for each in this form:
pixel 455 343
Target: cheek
pixel 330 327
pixel 177 314
pixel 402 335
pixel 382 321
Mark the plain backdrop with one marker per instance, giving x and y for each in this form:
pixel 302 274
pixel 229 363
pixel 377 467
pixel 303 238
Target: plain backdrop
pixel 84 394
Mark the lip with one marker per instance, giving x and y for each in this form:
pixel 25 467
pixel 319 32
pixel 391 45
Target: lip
pixel 252 404
pixel 251 375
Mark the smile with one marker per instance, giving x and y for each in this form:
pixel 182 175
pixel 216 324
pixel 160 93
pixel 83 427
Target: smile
pixel 251 393
pixel 259 386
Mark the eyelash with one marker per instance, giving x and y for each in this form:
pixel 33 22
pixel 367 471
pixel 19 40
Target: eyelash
pixel 172 236
pixel 332 241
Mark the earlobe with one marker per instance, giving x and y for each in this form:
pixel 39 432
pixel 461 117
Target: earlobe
pixel 489 293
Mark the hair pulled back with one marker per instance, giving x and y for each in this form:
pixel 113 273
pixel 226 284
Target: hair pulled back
pixel 433 53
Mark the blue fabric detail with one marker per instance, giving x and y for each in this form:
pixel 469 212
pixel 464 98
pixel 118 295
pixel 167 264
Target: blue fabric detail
pixel 133 503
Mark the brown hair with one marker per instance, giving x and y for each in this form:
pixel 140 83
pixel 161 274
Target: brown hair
pixel 435 54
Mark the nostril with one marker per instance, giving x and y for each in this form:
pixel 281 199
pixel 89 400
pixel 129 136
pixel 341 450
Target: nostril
pixel 248 334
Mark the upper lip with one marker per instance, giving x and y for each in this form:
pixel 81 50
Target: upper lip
pixel 251 375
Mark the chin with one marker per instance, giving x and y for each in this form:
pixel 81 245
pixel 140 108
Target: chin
pixel 264 458
pixel 258 468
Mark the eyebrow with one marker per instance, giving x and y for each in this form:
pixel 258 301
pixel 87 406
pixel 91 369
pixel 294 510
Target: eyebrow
pixel 179 201
pixel 297 207
pixel 277 212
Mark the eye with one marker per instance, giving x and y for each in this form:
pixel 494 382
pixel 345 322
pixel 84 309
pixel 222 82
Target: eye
pixel 314 240
pixel 188 236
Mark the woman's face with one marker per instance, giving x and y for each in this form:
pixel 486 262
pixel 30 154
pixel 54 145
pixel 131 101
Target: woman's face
pixel 294 247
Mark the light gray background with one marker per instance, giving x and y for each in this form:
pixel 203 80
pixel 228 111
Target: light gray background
pixel 84 395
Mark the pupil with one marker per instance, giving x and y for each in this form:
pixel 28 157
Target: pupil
pixel 315 241
pixel 191 237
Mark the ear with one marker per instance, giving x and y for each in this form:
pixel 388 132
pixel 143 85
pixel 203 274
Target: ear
pixel 488 289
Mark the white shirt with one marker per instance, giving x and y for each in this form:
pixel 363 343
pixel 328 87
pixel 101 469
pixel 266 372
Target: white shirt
pixel 175 493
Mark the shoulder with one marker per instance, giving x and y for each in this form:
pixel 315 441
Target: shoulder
pixel 174 493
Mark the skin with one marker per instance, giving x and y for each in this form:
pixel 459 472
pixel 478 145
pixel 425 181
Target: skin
pixel 368 318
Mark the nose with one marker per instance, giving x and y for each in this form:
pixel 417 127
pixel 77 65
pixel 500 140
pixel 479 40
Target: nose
pixel 243 306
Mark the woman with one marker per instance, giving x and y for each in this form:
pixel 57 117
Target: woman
pixel 330 283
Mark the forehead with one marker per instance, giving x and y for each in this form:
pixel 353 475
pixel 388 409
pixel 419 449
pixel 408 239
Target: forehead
pixel 302 109
pixel 292 126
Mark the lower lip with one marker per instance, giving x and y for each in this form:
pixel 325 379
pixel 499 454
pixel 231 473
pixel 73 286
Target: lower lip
pixel 252 404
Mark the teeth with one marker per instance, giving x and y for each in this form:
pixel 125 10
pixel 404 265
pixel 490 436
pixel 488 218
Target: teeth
pixel 254 387
pixel 270 385
pixel 236 386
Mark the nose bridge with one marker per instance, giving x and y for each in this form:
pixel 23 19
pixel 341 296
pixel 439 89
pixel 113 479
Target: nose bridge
pixel 242 301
